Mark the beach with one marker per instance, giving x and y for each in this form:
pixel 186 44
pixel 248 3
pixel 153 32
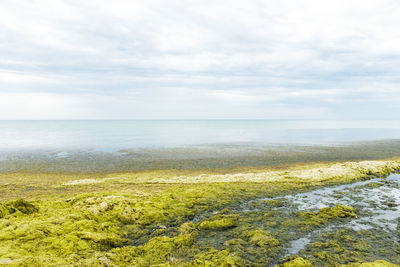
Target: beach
pixel 199 204
pixel 192 133
pixel 235 216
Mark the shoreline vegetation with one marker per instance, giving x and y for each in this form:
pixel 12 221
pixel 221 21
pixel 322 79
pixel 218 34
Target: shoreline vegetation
pixel 186 217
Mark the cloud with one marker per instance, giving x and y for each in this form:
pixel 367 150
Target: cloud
pixel 199 59
pixel 39 106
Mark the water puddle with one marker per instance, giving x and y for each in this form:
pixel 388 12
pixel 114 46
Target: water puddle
pixel 298 244
pixel 376 201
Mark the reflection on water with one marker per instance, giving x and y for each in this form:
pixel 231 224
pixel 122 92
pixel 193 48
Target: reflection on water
pixel 117 135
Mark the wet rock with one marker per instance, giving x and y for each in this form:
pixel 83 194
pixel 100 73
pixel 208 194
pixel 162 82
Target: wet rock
pixel 262 238
pixel 103 205
pixel 320 217
pixel 296 262
pixel 390 204
pixel 378 263
pixel 19 205
pixel 221 224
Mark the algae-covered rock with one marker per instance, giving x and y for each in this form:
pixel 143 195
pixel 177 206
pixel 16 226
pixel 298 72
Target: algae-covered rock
pixel 217 258
pixel 296 262
pixel 18 205
pixel 108 240
pixel 322 255
pixel 90 229
pixel 219 224
pixel 274 202
pixel 187 228
pixel 22 206
pixel 320 217
pixel 343 246
pixel 116 207
pixel 378 263
pixel 236 242
pixel 158 251
pixel 124 256
pixel 4 211
pixel 162 246
pixel 342 211
pixel 262 238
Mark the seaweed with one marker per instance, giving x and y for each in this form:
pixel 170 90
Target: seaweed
pixel 169 218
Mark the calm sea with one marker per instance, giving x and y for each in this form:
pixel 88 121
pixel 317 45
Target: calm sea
pixel 119 135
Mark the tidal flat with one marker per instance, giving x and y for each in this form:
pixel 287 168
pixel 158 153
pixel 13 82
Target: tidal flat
pixel 308 214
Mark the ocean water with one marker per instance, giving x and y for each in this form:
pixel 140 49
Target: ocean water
pixel 109 136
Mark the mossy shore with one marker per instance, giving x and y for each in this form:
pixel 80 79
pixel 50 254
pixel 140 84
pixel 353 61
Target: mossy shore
pixel 183 217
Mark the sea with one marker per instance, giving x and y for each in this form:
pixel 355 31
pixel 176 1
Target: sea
pixel 135 145
pixel 117 135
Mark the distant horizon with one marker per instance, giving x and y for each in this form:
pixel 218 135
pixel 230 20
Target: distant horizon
pixel 211 119
pixel 111 136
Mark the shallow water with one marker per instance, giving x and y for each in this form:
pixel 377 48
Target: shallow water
pixel 111 146
pixel 376 201
pixel 112 136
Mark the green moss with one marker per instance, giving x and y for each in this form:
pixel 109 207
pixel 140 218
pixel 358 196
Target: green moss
pixel 361 245
pixel 325 214
pixel 159 250
pixel 218 224
pixel 296 262
pixel 56 233
pixel 106 240
pixel 374 185
pixel 378 263
pixel 262 238
pixel 236 242
pixel 274 202
pixel 215 257
pixel 113 223
pixel 17 206
pixel 4 211
pixel 187 228
pixel 124 256
pixel 322 255
pixel 345 246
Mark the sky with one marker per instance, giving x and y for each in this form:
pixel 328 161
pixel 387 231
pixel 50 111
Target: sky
pixel 147 59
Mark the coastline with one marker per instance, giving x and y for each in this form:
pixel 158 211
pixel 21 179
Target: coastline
pixel 211 157
pixel 188 215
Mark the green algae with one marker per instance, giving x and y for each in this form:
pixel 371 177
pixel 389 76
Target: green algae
pixel 345 246
pixel 218 225
pixel 262 238
pixel 274 202
pixel 18 206
pixel 325 214
pixel 157 251
pixel 378 263
pixel 215 257
pixel 179 225
pixel 105 240
pixel 296 262
pixel 4 211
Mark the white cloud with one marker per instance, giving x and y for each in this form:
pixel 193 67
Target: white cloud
pixel 10 77
pixel 257 57
pixel 40 106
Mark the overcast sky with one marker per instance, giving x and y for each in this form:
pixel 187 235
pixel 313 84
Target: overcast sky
pixel 201 59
